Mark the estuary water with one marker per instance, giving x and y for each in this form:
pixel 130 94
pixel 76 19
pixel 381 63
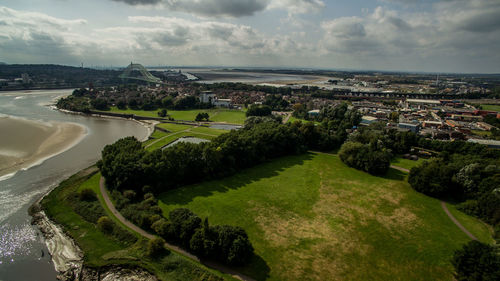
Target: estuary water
pixel 23 254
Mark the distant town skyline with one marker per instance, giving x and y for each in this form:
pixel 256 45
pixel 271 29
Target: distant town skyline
pixel 389 35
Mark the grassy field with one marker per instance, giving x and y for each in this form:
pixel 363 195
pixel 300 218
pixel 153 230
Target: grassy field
pixel 231 116
pixel 492 107
pixel 406 163
pixel 310 217
pixel 102 250
pixel 159 139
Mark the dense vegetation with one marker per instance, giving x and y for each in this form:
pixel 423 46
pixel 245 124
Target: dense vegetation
pixel 83 100
pixel 477 262
pixel 366 157
pixel 228 244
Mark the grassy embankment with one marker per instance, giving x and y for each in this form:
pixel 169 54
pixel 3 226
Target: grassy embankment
pixel 492 107
pixel 103 249
pixel 230 116
pixel 310 217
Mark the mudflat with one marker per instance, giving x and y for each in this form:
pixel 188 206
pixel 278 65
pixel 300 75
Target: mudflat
pixel 24 143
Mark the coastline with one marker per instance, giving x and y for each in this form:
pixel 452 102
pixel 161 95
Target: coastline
pixel 46 140
pixel 67 257
pixel 148 124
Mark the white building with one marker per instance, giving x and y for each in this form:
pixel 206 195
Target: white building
pixel 209 97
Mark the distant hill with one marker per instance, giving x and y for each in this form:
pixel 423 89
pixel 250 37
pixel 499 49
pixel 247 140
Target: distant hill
pixel 57 76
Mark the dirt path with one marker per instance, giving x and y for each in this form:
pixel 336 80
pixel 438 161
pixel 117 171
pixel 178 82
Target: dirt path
pixel 400 168
pixel 287 117
pixel 457 223
pixel 166 137
pixel 142 232
pixel 445 209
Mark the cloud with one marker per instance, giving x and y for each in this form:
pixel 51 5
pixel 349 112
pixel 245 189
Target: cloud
pixel 208 8
pixel 298 6
pixel 466 36
pixel 231 8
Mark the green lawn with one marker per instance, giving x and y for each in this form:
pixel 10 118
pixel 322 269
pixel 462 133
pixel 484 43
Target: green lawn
pixel 406 163
pixel 104 250
pixel 492 107
pixel 232 116
pixel 159 139
pixel 310 217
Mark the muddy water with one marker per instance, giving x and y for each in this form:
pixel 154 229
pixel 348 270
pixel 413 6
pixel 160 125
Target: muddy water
pixel 23 255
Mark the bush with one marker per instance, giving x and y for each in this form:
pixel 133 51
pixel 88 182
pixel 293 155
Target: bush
pixel 476 262
pixel 105 225
pixel 87 194
pixel 156 247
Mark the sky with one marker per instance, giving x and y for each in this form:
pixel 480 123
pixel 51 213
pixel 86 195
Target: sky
pixel 403 35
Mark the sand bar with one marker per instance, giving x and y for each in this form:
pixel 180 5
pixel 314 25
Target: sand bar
pixel 25 143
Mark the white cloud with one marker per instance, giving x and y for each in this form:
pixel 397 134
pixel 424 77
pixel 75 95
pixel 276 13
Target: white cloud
pixel 455 34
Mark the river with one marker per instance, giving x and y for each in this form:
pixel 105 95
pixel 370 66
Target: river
pixel 23 254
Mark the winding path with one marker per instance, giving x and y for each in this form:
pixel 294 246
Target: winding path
pixel 215 265
pixel 445 209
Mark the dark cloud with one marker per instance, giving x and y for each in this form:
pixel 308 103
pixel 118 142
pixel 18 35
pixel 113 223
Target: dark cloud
pixel 484 22
pixel 139 2
pixel 210 8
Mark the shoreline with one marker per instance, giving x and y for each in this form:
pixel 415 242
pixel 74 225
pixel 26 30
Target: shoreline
pixel 66 256
pixel 57 137
pixel 149 124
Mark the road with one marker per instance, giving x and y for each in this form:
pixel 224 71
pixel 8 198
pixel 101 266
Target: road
pixel 215 265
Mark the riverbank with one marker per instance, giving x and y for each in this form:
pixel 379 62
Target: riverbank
pixel 27 143
pixel 68 257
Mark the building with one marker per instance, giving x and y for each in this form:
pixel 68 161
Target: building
pixel 207 97
pixel 489 143
pixel 415 128
pixel 432 124
pixel 367 120
pixel 222 102
pixel 314 112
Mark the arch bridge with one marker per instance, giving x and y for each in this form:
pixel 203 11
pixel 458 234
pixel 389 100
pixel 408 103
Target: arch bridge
pixel 145 74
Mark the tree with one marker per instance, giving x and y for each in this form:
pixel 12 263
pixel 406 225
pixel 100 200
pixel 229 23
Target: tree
pixel 184 223
pixel 476 262
pixel 202 116
pixel 258 110
pixel 99 104
pixel 162 112
pixel 105 224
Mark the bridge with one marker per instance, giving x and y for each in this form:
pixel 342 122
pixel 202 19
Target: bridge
pixel 145 75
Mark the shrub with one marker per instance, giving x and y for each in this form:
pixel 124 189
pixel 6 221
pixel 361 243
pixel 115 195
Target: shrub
pixel 87 194
pixel 156 247
pixel 105 225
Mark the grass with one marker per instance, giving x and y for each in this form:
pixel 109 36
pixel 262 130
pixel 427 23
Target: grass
pixel 232 116
pixel 481 133
pixel 492 107
pixel 159 139
pixel 406 163
pixel 310 217
pixel 102 250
